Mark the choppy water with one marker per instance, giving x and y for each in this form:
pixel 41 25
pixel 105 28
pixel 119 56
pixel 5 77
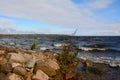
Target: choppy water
pixel 98 49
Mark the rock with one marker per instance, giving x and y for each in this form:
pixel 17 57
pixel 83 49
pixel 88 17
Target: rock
pixel 88 63
pixel 27 76
pixel 45 68
pixel 44 48
pixel 11 44
pixel 27 56
pixel 2 47
pixel 6 68
pixel 53 64
pixel 69 76
pixel 71 65
pixel 14 64
pixel 51 55
pixel 2 42
pixel 31 51
pixel 14 76
pixel 2 52
pixel 31 63
pixel 2 76
pixel 11 50
pixel 39 56
pixel 112 64
pixel 14 57
pixel 17 45
pixel 20 70
pixel 40 75
pixel 2 60
pixel 119 65
pixel 97 71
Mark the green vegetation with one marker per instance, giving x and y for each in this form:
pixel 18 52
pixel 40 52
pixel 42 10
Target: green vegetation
pixel 34 45
pixel 67 60
pixel 69 55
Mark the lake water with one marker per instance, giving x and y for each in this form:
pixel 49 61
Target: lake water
pixel 105 49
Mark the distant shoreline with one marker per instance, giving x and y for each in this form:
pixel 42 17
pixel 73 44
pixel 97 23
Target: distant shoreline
pixel 34 35
pixel 57 35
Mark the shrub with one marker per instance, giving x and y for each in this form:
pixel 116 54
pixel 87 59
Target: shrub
pixel 34 45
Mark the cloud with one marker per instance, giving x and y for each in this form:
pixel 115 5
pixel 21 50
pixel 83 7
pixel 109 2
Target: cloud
pixel 108 32
pixel 56 12
pixel 99 4
pixel 63 13
pixel 5 21
pixel 6 26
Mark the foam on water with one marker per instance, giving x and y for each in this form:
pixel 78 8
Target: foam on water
pixel 91 49
pixel 101 58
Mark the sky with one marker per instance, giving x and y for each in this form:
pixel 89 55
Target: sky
pixel 89 17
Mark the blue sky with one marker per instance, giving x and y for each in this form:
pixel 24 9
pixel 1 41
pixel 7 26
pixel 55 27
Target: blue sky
pixel 89 17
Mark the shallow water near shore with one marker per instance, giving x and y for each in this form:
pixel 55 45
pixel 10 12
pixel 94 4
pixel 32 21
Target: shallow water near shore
pixel 98 49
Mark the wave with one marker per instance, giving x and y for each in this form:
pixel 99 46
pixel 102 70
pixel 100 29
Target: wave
pixel 111 60
pixel 60 44
pixel 96 45
pixel 91 49
pixel 98 49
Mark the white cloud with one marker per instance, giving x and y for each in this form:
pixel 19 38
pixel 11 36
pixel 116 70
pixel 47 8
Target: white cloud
pixel 7 27
pixel 64 13
pixel 5 21
pixel 57 12
pixel 99 4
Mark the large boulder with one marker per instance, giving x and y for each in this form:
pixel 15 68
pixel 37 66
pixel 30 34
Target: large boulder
pixel 14 76
pixel 40 65
pixel 53 64
pixel 40 75
pixel 14 57
pixel 38 56
pixel 31 63
pixel 6 68
pixel 20 70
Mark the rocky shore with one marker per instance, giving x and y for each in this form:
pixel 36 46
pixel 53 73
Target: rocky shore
pixel 20 64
